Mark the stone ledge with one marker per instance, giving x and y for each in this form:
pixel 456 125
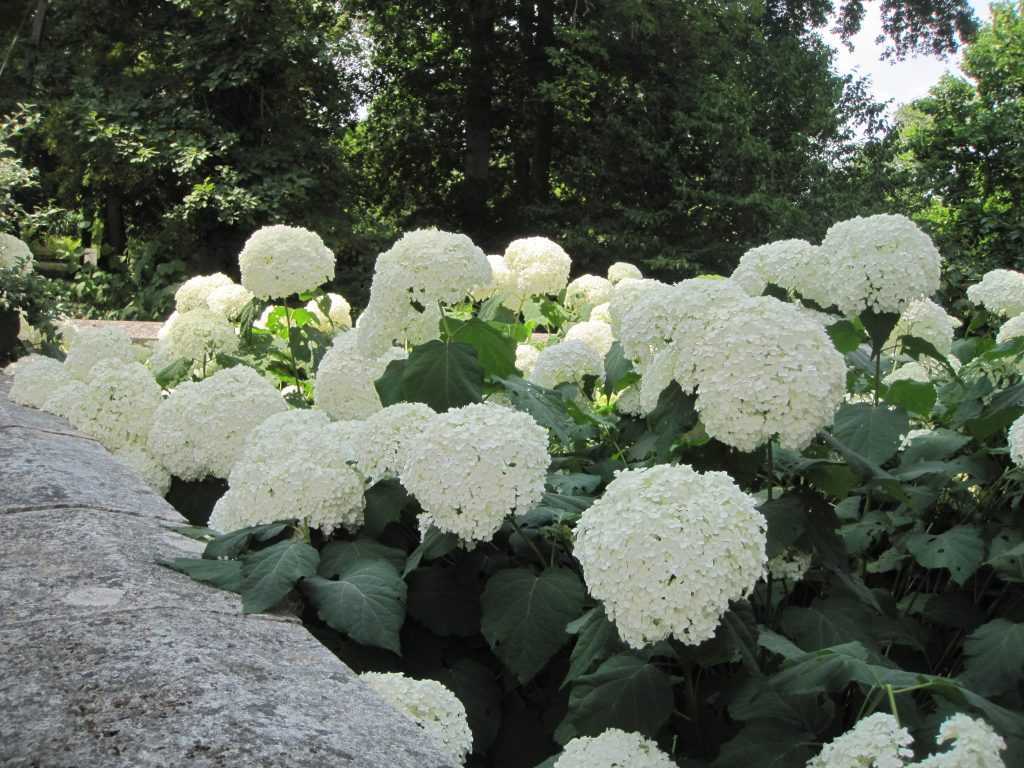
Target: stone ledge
pixel 110 659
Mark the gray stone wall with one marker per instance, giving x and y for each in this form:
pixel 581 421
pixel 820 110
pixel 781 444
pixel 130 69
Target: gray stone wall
pixel 109 659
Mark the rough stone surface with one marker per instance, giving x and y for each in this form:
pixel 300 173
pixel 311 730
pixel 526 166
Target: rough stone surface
pixel 137 330
pixel 108 658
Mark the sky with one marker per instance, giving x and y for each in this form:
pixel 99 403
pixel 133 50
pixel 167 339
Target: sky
pixel 902 81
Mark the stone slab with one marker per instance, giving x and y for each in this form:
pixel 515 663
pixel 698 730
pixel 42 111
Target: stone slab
pixel 137 330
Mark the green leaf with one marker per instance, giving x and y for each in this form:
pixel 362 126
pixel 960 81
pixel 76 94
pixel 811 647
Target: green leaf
pixel 846 336
pixel 879 326
pixel 389 385
pixel 339 555
pixel 618 370
pixel 960 550
pixel 477 688
pixel 435 544
pixel 874 432
pixel 768 744
pixel 222 574
pixel 739 629
pixel 270 573
pixel 994 657
pixel 496 352
pixel 384 504
pixel 915 396
pixel 827 623
pixel 175 373
pixel 780 644
pixel 444 601
pixel 236 542
pixel 525 616
pixel 918 348
pixel 367 603
pixel 596 640
pixel 443 375
pixel 937 445
pixel 787 518
pixel 674 414
pixel 625 692
pixel 547 408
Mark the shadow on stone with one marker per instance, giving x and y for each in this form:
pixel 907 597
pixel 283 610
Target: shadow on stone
pixel 195 499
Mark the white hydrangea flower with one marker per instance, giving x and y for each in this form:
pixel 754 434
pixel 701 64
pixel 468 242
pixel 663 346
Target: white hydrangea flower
pixel 790 565
pixel 90 345
pixel 117 407
pixel 278 261
pixel 613 749
pixel 13 252
pixel 288 469
pixel 595 334
pixel 503 284
pixel 667 548
pixel 148 468
pixel 36 377
pixel 909 371
pixel 881 263
pixel 168 324
pixel 975 745
pixel 431 706
pixel 911 436
pixel 567 361
pixel 766 370
pixel 586 292
pixel 228 301
pixel 629 402
pixel 1011 329
pixel 1000 291
pixel 541 266
pixel 780 263
pixel 339 316
pixel 924 319
pixel 28 333
pixel 428 266
pixel 195 292
pixel 197 335
pixel 526 358
pixel 623 270
pixel 200 429
pixel 877 741
pixel 64 399
pixel 498 469
pixel 602 313
pixel 344 383
pixel 1015 439
pixel 386 437
pixel 390 319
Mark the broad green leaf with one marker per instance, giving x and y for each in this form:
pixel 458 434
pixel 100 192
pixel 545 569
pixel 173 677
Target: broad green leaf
pixel 496 352
pixel 443 375
pixel 960 550
pixel 596 640
pixel 994 657
pixel 787 518
pixel 768 744
pixel 828 623
pixel 339 555
pixel 435 544
pixel 618 370
pixel 236 542
pixel 846 336
pixel 918 348
pixel 739 628
pixel 879 326
pixel 269 574
pixel 389 385
pixel 874 432
pixel 547 408
pixel 444 601
pixel 832 669
pixel 384 504
pixel 525 616
pixel 477 688
pixel 674 414
pixel 222 574
pixel 780 644
pixel 367 603
pixel 625 692
pixel 173 374
pixel 915 396
pixel 937 445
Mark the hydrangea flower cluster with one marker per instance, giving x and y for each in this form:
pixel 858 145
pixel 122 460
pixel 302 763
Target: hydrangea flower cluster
pixel 90 345
pixel 540 265
pixel 766 370
pixel 790 566
pixel 14 252
pixel 567 361
pixel 200 429
pixel 924 319
pixel 118 404
pixel 602 313
pixel 386 437
pixel 148 468
pixel 667 548
pixel 278 261
pixel 195 292
pixel 422 269
pixel 613 749
pixel 596 334
pixel 228 301
pixel 1000 291
pixel 1015 440
pixel 65 398
pixel 499 469
pixel 526 358
pixel 782 263
pixel 879 263
pixel 36 378
pixel 878 740
pixel 623 270
pixel 431 706
pixel 338 317
pixel 587 292
pixel 196 335
pixel 1011 329
pixel 975 745
pixel 289 468
pixel 344 379
pixel 503 284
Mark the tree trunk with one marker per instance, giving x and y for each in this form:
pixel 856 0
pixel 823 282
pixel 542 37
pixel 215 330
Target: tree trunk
pixel 38 25
pixel 113 232
pixel 540 168
pixel 475 188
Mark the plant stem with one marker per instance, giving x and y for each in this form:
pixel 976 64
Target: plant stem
pixel 878 374
pixel 892 703
pixel 540 557
pixel 291 352
pixel 771 470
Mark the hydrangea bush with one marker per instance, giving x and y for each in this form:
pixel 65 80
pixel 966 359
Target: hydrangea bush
pixel 769 519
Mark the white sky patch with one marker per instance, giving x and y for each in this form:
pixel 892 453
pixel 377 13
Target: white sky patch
pixel 901 81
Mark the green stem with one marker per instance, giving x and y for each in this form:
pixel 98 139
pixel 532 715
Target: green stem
pixel 771 470
pixel 892 703
pixel 878 375
pixel 291 352
pixel 540 557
